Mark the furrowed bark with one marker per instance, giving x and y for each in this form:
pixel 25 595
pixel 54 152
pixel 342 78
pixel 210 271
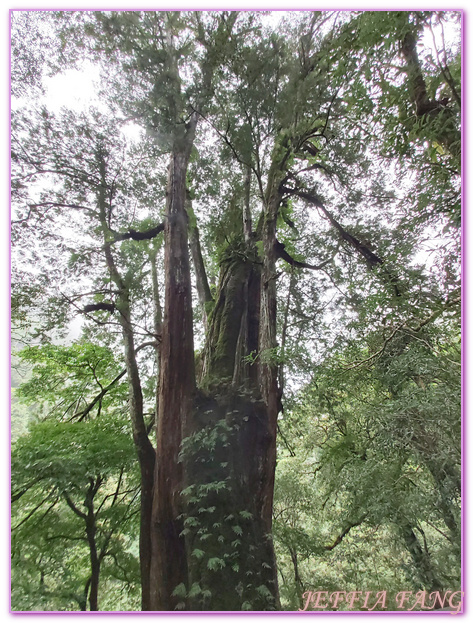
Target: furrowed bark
pixel 231 413
pixel 176 387
pixel 177 383
pixel 247 224
pixel 268 364
pixel 230 336
pixel 157 327
pixel 203 288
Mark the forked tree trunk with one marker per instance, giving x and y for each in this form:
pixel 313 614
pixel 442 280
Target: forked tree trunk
pixel 216 446
pixel 230 454
pixel 229 549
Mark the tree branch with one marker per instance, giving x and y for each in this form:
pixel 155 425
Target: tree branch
pixel 371 258
pixel 132 234
pixel 110 307
pixel 83 414
pixel 378 352
pixel 282 254
pixel 343 534
pixel 73 507
pixel 30 514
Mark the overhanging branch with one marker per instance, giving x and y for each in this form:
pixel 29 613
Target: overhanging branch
pixel 133 234
pixel 282 254
pixel 371 258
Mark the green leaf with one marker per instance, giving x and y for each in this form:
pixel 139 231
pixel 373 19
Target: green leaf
pixel 180 590
pixel 215 563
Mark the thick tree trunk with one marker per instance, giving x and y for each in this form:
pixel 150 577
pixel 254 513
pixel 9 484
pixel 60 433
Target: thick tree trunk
pixel 216 448
pixel 230 456
pixel 234 322
pixel 176 388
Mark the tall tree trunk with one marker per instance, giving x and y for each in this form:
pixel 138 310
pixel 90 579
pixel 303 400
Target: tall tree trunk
pixel 247 221
pixel 203 288
pixel 229 457
pixel 268 361
pixel 176 387
pixel 143 446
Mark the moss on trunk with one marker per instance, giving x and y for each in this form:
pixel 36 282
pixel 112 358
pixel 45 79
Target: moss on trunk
pixel 233 324
pixel 229 551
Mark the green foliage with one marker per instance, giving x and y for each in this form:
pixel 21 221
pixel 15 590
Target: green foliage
pixel 55 467
pixel 327 106
pixel 63 453
pixel 220 553
pixel 374 439
pixel 68 378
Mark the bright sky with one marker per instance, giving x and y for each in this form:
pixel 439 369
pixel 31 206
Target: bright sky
pixel 74 89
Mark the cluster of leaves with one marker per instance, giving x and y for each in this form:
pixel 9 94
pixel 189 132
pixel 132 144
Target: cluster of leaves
pixel 379 450
pixel 57 469
pixel 67 379
pixel 214 523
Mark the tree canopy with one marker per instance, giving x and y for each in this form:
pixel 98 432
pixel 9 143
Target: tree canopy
pixel 236 308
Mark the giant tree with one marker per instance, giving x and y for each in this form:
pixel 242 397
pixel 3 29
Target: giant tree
pixel 279 202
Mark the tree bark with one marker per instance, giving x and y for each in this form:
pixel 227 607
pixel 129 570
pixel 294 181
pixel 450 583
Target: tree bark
pixel 234 565
pixel 233 324
pixel 144 448
pixel 203 288
pixel 268 364
pixel 444 131
pixel 176 387
pixel 247 223
pixel 91 529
